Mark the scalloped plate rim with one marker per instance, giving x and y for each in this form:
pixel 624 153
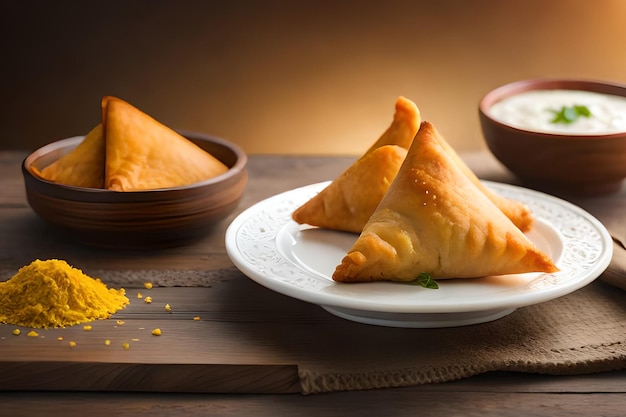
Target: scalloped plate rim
pixel 280 206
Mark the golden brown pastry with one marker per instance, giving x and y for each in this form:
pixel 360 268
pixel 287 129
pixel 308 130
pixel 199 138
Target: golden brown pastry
pixel 83 166
pixel 434 219
pixel 143 154
pixel 347 202
pixel 406 122
pixel 519 213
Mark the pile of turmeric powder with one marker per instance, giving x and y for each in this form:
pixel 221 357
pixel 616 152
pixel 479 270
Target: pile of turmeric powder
pixel 52 293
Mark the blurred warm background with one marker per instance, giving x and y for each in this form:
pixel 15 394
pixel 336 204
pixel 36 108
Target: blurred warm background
pixel 280 76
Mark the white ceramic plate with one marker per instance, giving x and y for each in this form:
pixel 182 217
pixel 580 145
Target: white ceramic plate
pixel 298 261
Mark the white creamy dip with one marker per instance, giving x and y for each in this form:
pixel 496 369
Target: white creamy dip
pixel 534 110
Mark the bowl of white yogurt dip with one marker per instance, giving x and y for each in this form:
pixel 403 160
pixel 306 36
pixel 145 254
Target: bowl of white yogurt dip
pixel 562 136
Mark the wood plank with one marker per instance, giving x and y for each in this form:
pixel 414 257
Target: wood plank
pixel 245 330
pixel 150 377
pixel 493 394
pixel 359 403
pixel 213 354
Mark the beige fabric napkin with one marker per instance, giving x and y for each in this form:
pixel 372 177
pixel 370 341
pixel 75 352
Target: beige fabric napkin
pixel 611 211
pixel 583 332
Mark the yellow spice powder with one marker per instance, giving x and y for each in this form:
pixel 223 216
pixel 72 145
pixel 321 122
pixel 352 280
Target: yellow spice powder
pixel 51 293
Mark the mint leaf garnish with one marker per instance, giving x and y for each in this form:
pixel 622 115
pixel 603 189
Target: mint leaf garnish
pixel 425 280
pixel 567 115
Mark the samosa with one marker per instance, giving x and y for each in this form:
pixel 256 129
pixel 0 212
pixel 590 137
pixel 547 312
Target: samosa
pixel 144 154
pixel 348 201
pixel 435 220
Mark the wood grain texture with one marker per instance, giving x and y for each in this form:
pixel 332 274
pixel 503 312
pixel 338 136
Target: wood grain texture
pixel 189 357
pixel 213 354
pixel 498 394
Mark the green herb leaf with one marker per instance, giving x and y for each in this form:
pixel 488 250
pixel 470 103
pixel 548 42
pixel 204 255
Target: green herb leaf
pixel 568 115
pixel 425 280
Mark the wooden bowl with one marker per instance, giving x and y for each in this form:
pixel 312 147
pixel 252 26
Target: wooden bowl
pixel 583 165
pixel 151 219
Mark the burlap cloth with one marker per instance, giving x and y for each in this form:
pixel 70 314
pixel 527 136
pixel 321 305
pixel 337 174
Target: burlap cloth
pixel 581 333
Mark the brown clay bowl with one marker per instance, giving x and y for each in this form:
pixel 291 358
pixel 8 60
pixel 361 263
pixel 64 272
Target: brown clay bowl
pixel 134 220
pixel 583 165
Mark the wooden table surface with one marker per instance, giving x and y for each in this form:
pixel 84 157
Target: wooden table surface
pixel 25 237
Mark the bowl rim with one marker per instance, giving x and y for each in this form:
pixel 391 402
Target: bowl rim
pixel 530 84
pixel 239 165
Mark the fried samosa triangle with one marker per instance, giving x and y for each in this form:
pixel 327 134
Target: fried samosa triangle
pixel 519 213
pixel 143 154
pixel 83 166
pixel 434 219
pixel 347 203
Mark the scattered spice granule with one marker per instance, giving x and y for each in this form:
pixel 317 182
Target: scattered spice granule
pixel 87 328
pixel 147 300
pixel 107 342
pixel 126 345
pixel 60 338
pixel 168 307
pixel 147 285
pixel 72 344
pixel 139 295
pixel 156 332
pixel 134 340
pixel 197 318
pixel 16 332
pixel 32 333
pixel 51 293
